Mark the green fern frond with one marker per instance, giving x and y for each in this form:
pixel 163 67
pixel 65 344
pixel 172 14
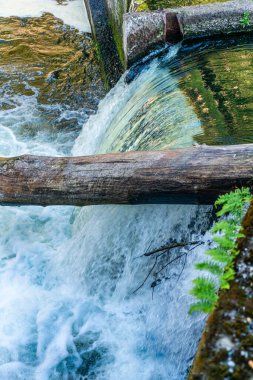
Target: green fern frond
pixel 219 255
pixel 226 232
pixel 223 242
pixel 204 289
pixel 233 202
pixel 203 306
pixel 226 278
pixel 226 227
pixel 210 267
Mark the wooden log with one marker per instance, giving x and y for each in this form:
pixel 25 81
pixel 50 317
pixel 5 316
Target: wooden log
pixel 192 175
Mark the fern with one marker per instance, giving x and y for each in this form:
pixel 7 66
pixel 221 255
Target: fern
pixel 213 268
pixel 226 232
pixel 219 255
pixel 224 242
pixel 234 202
pixel 228 227
pixel 204 306
pixel 204 289
pixel 226 277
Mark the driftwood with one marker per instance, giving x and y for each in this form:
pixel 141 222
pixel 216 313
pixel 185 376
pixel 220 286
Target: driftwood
pixel 192 175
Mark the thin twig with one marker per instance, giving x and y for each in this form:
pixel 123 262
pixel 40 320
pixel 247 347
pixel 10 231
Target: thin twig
pixel 198 244
pixel 170 262
pixel 184 264
pixel 149 273
pixel 170 246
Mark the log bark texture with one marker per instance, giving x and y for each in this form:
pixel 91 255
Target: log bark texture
pixel 192 175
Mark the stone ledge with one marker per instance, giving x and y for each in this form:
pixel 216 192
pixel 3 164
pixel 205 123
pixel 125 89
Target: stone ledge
pixel 145 31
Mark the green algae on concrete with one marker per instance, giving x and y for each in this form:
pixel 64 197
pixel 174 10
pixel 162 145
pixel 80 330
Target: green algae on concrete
pixel 152 5
pixel 226 348
pixel 106 19
pixel 117 9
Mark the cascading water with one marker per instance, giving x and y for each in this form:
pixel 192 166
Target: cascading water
pixel 78 299
pixel 69 304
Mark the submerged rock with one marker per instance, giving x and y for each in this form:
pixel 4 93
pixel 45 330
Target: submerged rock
pixel 56 59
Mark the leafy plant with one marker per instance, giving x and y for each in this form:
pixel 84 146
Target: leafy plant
pixel 245 20
pixel 220 264
pixel 140 5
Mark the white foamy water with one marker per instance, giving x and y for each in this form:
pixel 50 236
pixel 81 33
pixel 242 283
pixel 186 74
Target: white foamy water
pixel 72 12
pixel 69 308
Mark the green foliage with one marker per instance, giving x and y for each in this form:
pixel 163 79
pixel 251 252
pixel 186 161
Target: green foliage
pixel 205 291
pixel 234 202
pixel 211 267
pixel 204 306
pixel 226 233
pixel 141 5
pixel 245 20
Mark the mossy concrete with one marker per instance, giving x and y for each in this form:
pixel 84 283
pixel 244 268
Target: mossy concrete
pixel 145 31
pixel 106 18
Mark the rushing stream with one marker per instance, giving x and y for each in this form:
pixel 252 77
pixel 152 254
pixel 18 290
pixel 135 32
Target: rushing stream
pixel 78 300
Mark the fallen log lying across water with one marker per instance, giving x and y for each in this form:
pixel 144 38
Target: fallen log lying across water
pixel 192 175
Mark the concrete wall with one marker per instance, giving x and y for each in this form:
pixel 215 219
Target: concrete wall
pixel 106 18
pixel 116 10
pixel 145 31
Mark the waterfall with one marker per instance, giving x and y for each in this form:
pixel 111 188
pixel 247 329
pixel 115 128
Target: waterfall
pixel 78 300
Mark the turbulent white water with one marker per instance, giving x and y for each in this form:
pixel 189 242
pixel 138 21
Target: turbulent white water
pixel 68 306
pixel 72 12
